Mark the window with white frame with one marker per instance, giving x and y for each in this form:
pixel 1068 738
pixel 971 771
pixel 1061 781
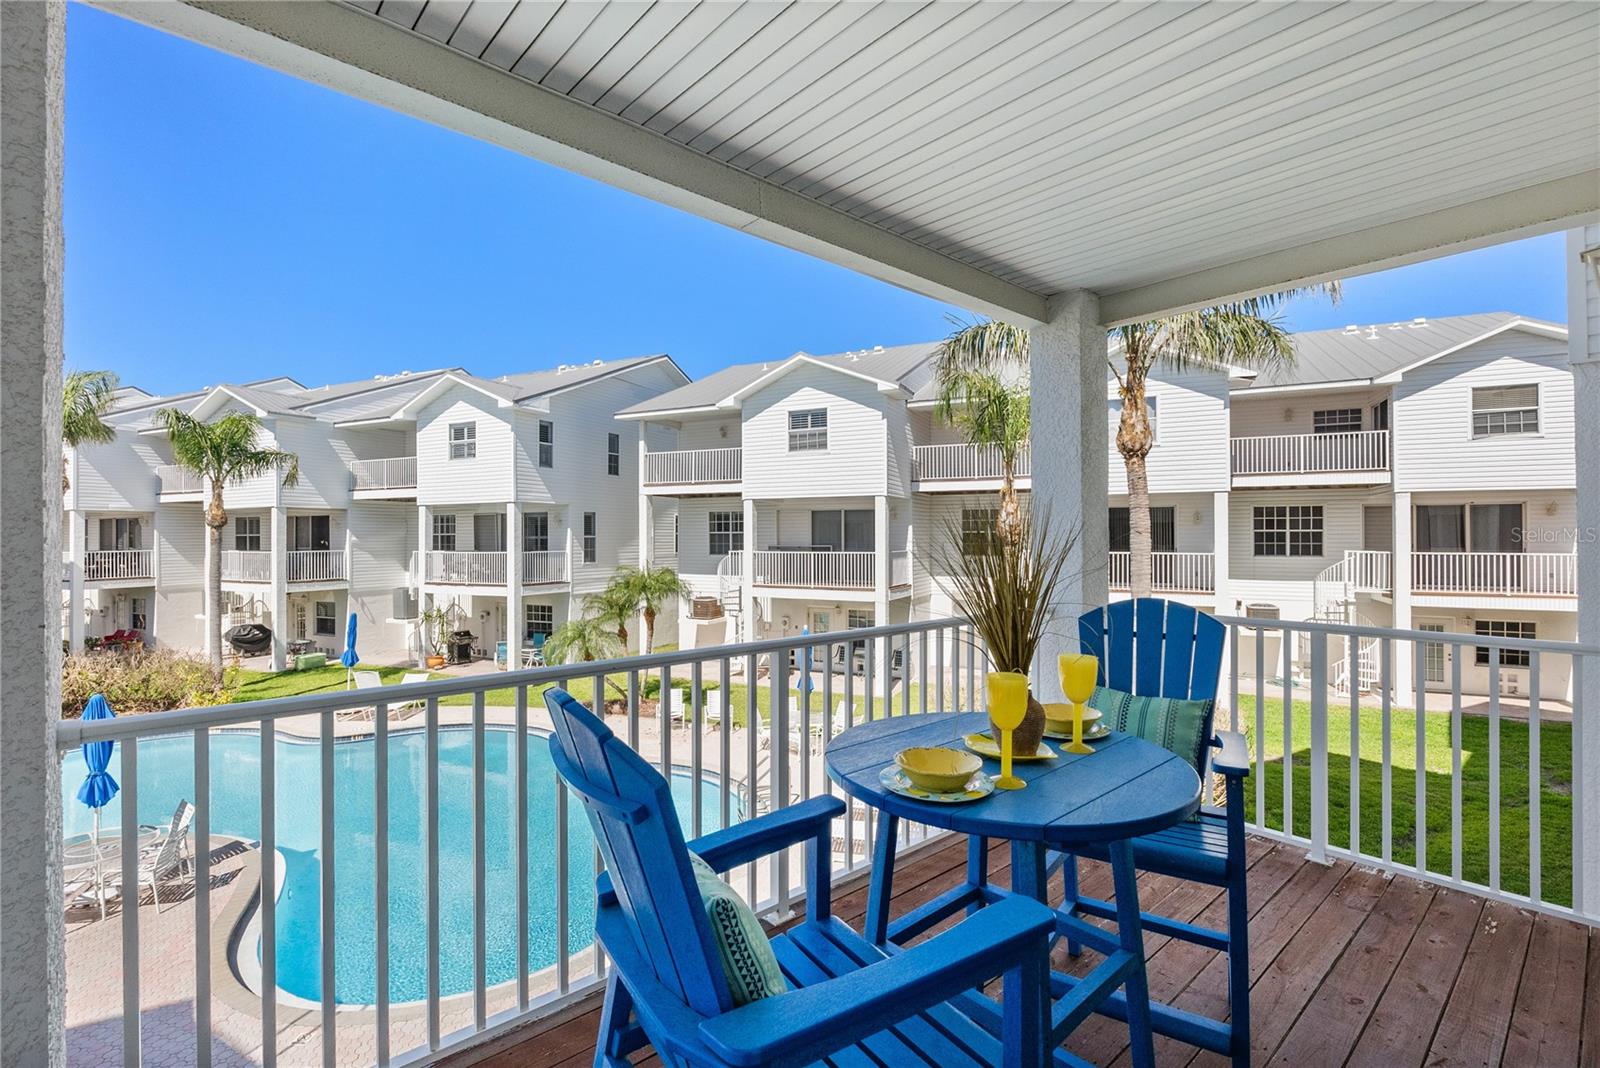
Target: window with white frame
pixel 727 533
pixel 1505 628
pixel 547 443
pixel 1287 530
pixel 1336 421
pixel 327 617
pixel 121 534
pixel 444 533
pixel 858 618
pixel 538 619
pixel 138 614
pixel 613 454
pixel 978 530
pixel 591 538
pixel 247 533
pixel 536 532
pixel 463 441
pixel 1498 410
pixel 808 430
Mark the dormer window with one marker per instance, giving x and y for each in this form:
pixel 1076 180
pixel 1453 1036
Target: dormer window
pixel 808 430
pixel 463 441
pixel 1498 410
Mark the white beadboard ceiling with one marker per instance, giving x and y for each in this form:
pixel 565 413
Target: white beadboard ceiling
pixel 1109 146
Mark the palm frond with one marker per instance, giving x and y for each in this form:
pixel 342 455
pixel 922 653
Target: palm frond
pixel 983 346
pixel 582 640
pixel 226 450
pixel 86 397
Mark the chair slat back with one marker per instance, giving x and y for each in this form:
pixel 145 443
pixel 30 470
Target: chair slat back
pixel 630 807
pixel 1155 648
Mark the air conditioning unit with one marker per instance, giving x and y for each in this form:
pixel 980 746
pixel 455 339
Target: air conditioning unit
pixel 1511 683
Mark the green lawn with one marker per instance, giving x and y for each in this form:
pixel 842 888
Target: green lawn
pixel 1554 777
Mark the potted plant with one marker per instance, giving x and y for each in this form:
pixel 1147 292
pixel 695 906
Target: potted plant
pixel 1006 586
pixel 436 625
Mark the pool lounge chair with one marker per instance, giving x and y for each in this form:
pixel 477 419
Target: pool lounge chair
pixel 365 680
pixel 407 708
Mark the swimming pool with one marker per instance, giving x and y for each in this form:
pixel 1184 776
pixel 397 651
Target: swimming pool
pixel 166 774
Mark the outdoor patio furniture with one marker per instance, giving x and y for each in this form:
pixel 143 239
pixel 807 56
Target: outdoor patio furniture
pixel 176 828
pixel 249 639
pixel 408 679
pixel 713 710
pixel 669 987
pixel 165 861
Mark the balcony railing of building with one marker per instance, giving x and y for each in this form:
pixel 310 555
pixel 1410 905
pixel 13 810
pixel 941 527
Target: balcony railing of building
pixel 492 925
pixel 544 566
pixel 689 467
pixel 819 570
pixel 395 472
pixel 105 565
pixel 467 568
pixel 246 565
pixel 1169 572
pixel 177 479
pixel 1530 574
pixel 1307 454
pixel 1354 790
pixel 963 462
pixel 315 565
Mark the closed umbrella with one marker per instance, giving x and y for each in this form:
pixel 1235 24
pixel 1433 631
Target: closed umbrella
pixel 349 658
pixel 98 786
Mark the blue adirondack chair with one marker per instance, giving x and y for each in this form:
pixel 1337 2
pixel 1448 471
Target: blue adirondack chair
pixel 1153 647
pixel 848 1000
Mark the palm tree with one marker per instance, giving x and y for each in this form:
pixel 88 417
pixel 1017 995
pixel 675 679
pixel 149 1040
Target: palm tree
pixel 222 452
pixel 650 588
pixel 582 640
pixel 86 397
pixel 988 412
pixel 614 605
pixel 1244 332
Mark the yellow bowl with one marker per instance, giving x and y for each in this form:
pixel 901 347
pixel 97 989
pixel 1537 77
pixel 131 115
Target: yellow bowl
pixel 938 770
pixel 1058 716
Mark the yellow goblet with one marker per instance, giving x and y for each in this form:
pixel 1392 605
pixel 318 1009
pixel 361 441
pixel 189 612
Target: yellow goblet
pixel 1079 673
pixel 1008 704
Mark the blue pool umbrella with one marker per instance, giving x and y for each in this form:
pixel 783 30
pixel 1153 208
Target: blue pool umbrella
pixel 349 658
pixel 806 685
pixel 98 786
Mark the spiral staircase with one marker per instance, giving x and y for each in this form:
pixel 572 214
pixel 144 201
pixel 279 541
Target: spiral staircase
pixel 1333 600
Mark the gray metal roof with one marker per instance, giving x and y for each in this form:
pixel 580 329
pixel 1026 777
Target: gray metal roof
pixel 900 364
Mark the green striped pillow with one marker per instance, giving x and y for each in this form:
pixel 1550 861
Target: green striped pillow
pixel 747 957
pixel 1172 723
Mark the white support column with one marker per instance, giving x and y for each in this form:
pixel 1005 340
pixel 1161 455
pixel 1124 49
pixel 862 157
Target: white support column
pixel 747 597
pixel 880 580
pixel 1404 681
pixel 1219 552
pixel 279 590
pixel 77 538
pixel 208 557
pixel 1583 294
pixel 1069 449
pixel 513 585
pixel 424 539
pixel 646 546
pixel 32 967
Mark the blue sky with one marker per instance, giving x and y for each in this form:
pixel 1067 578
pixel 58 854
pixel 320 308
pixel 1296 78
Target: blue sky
pixel 225 222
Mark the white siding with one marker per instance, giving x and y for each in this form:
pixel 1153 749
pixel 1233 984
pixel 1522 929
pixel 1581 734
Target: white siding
pixel 180 590
pixel 1286 581
pixel 855 461
pixel 1433 444
pixel 115 477
pixel 1294 413
pixel 1191 449
pixel 383 534
pixel 485 478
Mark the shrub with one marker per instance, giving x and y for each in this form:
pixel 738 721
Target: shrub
pixel 149 681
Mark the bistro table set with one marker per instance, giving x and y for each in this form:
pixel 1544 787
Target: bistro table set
pixel 693 981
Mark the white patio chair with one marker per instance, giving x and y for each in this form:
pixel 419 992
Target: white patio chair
pixel 365 680
pixel 161 865
pixel 177 828
pixel 713 709
pixel 410 707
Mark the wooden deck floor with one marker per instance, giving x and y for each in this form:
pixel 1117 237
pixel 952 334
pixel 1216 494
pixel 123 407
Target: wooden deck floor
pixel 1348 966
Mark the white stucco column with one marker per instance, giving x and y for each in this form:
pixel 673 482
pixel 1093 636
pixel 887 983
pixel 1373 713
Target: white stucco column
pixel 1583 293
pixel 1069 447
pixel 77 538
pixel 32 979
pixel 1400 577
pixel 279 588
pixel 747 598
pixel 424 535
pixel 513 585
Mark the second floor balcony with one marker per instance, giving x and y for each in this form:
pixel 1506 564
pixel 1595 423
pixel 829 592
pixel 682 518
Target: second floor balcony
pixel 374 477
pixel 950 466
pixel 299 565
pixel 1169 572
pixel 1509 574
pixel 1360 456
pixel 489 568
pixel 694 467
pixel 815 569
pixel 115 565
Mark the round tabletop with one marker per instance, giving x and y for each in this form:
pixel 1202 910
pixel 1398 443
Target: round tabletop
pixel 1125 788
pixel 83 850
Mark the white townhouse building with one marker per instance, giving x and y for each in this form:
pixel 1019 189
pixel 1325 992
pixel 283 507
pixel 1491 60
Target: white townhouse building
pixel 498 500
pixel 805 493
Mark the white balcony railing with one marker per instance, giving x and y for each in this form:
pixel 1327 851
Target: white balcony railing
pixel 1368 570
pixel 1169 572
pixel 824 570
pixel 544 566
pixel 1305 454
pixel 467 569
pixel 687 467
pixel 962 462
pixel 246 565
pixel 315 565
pixel 176 479
pixel 395 472
pixel 104 565
pixel 1531 574
pixel 528 873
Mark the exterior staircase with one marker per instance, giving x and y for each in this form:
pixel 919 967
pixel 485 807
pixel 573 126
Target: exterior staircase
pixel 1333 600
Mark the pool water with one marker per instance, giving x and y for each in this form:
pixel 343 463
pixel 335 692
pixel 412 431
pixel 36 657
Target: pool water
pixel 166 774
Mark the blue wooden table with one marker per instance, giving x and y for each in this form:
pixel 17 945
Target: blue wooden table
pixel 1127 787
